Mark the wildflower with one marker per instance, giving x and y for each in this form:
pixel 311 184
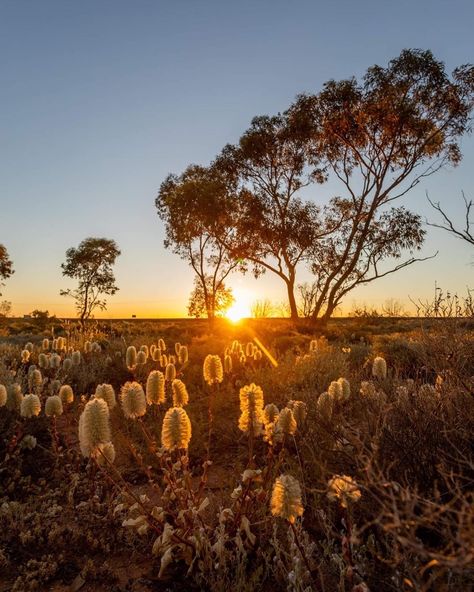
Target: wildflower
pixel 183 354
pixel 25 356
pixel 177 347
pixel 313 345
pixel 145 350
pixel 30 406
pixel 212 370
pixel 133 400
pixel 76 358
pixel 285 425
pixel 249 349
pixel 65 394
pixel 45 344
pixel 324 405
pixel 379 368
pixel 131 357
pixel 155 388
pixel 367 389
pixel 29 347
pixel 55 361
pixel 104 453
pixel 286 498
pixel 53 406
pixel 43 360
pixel 227 364
pixel 335 390
pixel 141 358
pixel 3 395
pixel 67 364
pixel 270 413
pixel 344 489
pixel 36 380
pixel 54 387
pixel 106 392
pixel 161 345
pixel 180 393
pixel 346 388
pixel 170 372
pixel 14 397
pixel 87 347
pixel 299 411
pixel 251 406
pixel 94 426
pixel 257 355
pixel 176 429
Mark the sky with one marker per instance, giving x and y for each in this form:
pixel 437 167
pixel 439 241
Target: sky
pixel 101 99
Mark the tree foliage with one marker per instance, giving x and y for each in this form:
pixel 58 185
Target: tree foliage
pixel 380 137
pixel 208 302
pixel 6 265
pixel 195 207
pixel 91 265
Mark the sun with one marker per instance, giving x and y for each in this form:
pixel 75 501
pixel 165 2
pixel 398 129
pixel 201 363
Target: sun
pixel 238 311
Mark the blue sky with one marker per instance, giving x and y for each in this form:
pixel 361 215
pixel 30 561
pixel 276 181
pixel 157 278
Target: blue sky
pixel 100 100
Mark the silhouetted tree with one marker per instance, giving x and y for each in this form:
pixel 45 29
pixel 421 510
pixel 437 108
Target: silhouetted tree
pixel 91 264
pixel 212 302
pixel 271 226
pixel 380 137
pixel 194 207
pixel 6 265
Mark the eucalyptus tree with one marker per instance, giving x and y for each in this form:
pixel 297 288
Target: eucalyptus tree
pixel 91 265
pixel 380 137
pixel 195 208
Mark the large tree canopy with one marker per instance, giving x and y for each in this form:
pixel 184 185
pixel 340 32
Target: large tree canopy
pixel 91 264
pixel 380 137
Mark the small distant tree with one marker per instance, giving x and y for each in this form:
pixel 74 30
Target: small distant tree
pixel 262 309
pixel 213 302
pixel 40 314
pixel 6 265
pixel 393 308
pixel 91 264
pixel 5 309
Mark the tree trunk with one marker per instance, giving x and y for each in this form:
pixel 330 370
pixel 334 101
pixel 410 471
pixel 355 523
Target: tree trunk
pixel 290 286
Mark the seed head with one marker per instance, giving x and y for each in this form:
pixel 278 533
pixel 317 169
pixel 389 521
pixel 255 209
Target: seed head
pixel 106 392
pixel 104 454
pixel 141 358
pixel 14 397
pixel 299 410
pixel 170 372
pixel 212 370
pixel 155 388
pixel 324 406
pixel 66 394
pixel 286 424
pixel 43 360
pixel 183 355
pixel 346 388
pixel 379 368
pixel 131 357
pixel 343 489
pixel 133 400
pixel 286 498
pixel 180 393
pixel 25 356
pixel 94 426
pixel 29 347
pixel 76 358
pixel 161 345
pixel 270 413
pixel 251 406
pixel 67 364
pixel 30 406
pixel 227 364
pixel 45 344
pixel 176 430
pixel 3 395
pixel 55 361
pixel 53 406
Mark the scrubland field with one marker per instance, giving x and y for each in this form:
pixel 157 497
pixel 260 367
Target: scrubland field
pixel 333 461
